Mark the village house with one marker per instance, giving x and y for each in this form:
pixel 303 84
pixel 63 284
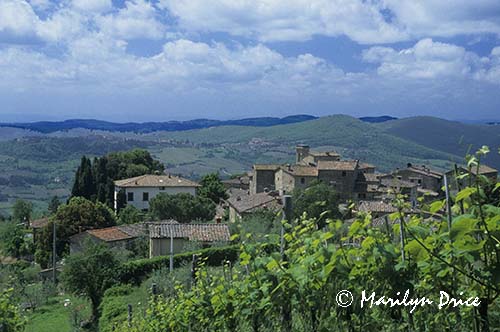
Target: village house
pixel 240 182
pixel 422 176
pixel 346 176
pixel 183 235
pixel 241 205
pixel 484 170
pixel 141 189
pixel 376 208
pixel 119 237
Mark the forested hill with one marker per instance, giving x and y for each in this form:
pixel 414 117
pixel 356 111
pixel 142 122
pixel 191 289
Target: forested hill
pixel 147 127
pixel 449 136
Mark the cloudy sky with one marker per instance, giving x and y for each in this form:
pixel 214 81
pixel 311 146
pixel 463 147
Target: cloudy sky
pixel 143 60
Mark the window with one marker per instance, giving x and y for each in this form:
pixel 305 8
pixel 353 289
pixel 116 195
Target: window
pixel 130 197
pixel 145 197
pixel 419 181
pixel 162 188
pixel 344 173
pixel 302 180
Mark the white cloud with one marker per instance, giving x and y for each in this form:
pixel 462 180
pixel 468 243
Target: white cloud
pixel 137 20
pixel 17 18
pixel 366 22
pixel 425 60
pixel 445 18
pixel 275 20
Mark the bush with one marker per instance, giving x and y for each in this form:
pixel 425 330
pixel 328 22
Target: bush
pixel 136 271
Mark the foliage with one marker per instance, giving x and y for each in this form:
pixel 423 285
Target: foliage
pixel 21 211
pixel 13 240
pixel 84 185
pixel 54 204
pixel 94 181
pixel 318 201
pixel 10 318
pixel 296 290
pixel 212 188
pixel 78 215
pixel 91 273
pixel 182 207
pixel 135 271
pixel 130 215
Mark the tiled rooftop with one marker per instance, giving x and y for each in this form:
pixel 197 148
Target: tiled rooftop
pixel 156 181
pixel 192 232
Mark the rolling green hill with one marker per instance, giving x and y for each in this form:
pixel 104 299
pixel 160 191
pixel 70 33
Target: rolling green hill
pixel 36 168
pixel 449 136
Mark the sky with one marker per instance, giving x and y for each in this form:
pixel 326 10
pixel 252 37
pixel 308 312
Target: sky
pixel 166 60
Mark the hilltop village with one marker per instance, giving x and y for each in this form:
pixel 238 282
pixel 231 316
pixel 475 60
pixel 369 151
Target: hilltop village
pixel 262 189
pixel 130 224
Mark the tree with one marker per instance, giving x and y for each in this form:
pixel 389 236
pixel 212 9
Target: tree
pixel 91 272
pixel 212 188
pixel 78 215
pixel 130 215
pixel 318 201
pixel 12 239
pixel 21 211
pixel 54 204
pixel 95 181
pixel 10 318
pixel 181 207
pixel 84 185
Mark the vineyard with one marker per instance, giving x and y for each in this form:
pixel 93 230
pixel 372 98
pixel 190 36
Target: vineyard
pixel 425 253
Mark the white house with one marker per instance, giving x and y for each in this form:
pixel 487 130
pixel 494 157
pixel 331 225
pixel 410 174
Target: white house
pixel 141 189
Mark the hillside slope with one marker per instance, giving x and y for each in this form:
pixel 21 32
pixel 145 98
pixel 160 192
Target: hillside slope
pixel 351 137
pixel 449 136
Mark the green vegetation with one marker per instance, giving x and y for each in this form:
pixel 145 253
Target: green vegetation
pixel 297 290
pixel 181 207
pixel 94 181
pixel 319 201
pixel 37 168
pixel 79 214
pixel 212 188
pixel 91 272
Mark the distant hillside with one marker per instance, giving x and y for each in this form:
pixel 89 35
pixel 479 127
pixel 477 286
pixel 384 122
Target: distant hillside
pixel 377 119
pixel 449 136
pixel 147 127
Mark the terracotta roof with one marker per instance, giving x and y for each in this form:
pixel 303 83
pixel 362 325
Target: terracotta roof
pixel 343 165
pixel 192 232
pixel 397 183
pixel 424 170
pixel 300 170
pixel 39 223
pixel 117 233
pixel 266 167
pixel 324 154
pixel 483 169
pixel 365 165
pixel 376 206
pixel 248 203
pixel 156 181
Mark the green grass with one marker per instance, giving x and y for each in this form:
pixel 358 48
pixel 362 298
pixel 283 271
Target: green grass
pixel 55 317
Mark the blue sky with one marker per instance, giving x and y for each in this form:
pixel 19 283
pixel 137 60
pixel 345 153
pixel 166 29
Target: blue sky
pixel 160 60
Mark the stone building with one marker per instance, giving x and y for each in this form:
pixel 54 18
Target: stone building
pixel 141 189
pixel 346 176
pixel 422 176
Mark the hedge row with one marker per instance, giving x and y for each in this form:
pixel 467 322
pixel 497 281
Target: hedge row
pixel 135 271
